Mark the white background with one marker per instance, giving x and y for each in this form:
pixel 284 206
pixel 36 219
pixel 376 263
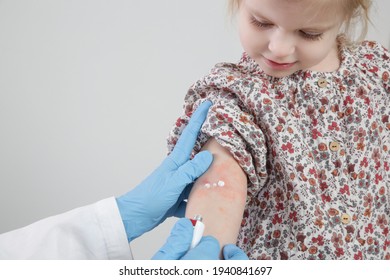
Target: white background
pixel 89 90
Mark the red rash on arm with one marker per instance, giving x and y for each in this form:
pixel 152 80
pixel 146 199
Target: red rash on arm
pixel 221 207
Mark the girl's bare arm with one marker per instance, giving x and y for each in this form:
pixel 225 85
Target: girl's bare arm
pixel 220 206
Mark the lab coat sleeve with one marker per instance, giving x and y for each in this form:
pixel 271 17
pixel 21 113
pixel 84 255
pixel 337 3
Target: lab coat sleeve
pixel 95 231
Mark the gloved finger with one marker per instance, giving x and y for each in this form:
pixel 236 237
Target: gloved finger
pixel 186 142
pixel 180 210
pixel 178 242
pixel 232 252
pixel 186 193
pixel 207 249
pixel 193 169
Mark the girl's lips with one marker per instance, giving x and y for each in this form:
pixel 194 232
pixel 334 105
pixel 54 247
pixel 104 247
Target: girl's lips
pixel 278 66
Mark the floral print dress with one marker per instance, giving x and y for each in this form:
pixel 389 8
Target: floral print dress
pixel 315 147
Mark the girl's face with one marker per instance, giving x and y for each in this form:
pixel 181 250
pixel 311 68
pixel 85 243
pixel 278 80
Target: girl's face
pixel 284 36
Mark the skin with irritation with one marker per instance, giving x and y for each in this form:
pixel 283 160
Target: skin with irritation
pixel 221 207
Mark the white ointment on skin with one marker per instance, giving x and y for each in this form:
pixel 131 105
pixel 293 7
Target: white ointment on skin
pixel 219 184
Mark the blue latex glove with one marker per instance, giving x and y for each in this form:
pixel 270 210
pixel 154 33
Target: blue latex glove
pixel 179 241
pixel 232 252
pixel 162 193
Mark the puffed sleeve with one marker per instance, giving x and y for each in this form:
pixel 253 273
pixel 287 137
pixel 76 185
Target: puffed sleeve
pixel 229 121
pixel 374 63
pixel 375 59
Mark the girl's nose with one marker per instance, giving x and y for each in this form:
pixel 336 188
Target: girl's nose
pixel 281 44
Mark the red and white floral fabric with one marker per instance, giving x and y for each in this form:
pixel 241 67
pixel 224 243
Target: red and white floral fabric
pixel 315 147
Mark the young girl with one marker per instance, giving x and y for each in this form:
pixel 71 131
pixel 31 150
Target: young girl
pixel 300 132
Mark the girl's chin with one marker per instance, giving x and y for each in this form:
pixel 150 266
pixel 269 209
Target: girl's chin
pixel 278 70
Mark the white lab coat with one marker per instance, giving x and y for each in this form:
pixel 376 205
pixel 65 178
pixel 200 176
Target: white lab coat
pixel 95 231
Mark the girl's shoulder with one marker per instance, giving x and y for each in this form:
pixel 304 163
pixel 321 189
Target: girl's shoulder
pixel 245 66
pixel 372 55
pixel 372 46
pixel 368 59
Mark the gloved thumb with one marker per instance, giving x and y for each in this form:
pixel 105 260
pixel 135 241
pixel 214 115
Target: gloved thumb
pixel 191 170
pixel 177 243
pixel 232 252
pixel 207 249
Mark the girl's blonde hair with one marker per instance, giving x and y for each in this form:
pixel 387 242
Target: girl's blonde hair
pixel 356 13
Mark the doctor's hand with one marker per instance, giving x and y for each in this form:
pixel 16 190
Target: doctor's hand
pixel 162 193
pixel 178 243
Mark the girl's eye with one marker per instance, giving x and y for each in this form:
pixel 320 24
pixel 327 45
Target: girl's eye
pixel 260 24
pixel 311 36
pixel 305 35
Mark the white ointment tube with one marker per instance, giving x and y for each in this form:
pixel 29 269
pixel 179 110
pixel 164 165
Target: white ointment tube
pixel 198 230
